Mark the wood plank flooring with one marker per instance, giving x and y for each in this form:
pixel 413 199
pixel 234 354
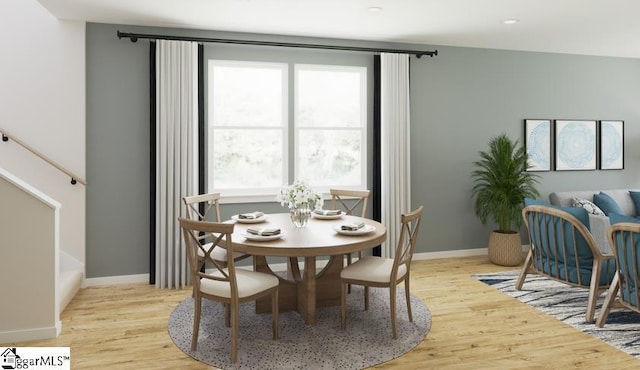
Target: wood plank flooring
pixel 474 327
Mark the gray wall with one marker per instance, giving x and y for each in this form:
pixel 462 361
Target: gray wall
pixel 460 99
pixel 465 96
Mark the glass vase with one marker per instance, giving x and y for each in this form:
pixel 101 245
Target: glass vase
pixel 300 215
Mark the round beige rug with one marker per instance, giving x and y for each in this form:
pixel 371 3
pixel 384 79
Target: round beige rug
pixel 366 342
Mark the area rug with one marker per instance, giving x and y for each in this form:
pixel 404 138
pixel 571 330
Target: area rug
pixel 569 304
pixel 367 341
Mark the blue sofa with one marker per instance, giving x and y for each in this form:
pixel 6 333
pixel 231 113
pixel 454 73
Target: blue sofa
pixel 598 224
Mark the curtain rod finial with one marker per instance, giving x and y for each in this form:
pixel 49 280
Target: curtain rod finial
pixel 429 53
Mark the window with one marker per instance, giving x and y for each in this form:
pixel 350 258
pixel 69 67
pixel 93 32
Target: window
pixel 330 125
pixel 247 127
pixel 249 141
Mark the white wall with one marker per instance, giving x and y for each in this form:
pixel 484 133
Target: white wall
pixel 42 102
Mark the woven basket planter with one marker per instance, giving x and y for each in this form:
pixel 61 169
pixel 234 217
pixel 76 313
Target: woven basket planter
pixel 505 249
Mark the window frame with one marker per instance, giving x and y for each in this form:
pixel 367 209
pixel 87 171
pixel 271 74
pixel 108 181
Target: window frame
pixel 363 127
pixel 249 194
pixel 349 62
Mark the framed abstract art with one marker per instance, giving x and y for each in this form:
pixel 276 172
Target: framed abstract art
pixel 537 142
pixel 575 145
pixel 611 145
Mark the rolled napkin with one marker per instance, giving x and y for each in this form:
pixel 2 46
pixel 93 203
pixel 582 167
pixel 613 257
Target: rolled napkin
pixel 263 231
pixel 352 227
pixel 251 215
pixel 327 212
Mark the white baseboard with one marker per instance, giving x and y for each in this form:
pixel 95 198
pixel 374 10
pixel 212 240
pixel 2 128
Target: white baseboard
pixel 450 254
pixel 144 278
pixel 115 280
pixel 30 334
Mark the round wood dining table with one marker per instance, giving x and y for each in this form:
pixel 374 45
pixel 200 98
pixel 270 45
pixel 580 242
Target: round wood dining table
pixel 308 289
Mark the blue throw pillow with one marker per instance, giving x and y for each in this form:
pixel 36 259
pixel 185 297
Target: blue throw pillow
pixel 607 204
pixel 635 196
pixel 578 212
pixel 534 202
pixel 616 218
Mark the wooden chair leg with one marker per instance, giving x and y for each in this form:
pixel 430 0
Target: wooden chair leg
pixel 343 306
pixel 234 331
pixel 366 298
pixel 408 296
pixel 196 323
pixel 274 314
pixel 392 304
pixel 609 301
pixel 525 269
pixel 349 261
pixel 594 290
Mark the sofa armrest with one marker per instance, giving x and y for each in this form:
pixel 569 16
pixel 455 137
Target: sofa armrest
pixel 599 226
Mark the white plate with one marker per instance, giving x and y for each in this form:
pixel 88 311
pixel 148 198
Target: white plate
pixel 249 220
pixel 365 230
pixel 327 217
pixel 262 238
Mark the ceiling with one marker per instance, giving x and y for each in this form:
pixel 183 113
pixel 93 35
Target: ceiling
pixel 590 27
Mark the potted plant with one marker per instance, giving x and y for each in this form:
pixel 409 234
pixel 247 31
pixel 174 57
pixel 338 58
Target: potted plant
pixel 500 184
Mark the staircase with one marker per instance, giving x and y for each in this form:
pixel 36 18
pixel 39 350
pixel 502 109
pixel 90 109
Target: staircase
pixel 71 277
pixel 39 279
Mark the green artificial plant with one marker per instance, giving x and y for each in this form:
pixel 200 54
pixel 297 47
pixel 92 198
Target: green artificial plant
pixel 501 182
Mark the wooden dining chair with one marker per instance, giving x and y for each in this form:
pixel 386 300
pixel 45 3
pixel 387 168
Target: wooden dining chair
pixel 206 207
pixel 624 291
pixel 223 282
pixel 349 200
pixel 372 271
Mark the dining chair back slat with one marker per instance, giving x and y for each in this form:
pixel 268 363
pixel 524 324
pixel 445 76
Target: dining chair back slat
pixel 200 207
pixel 348 200
pixel 206 207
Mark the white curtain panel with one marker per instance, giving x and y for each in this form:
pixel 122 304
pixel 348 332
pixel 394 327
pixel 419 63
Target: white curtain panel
pixel 176 154
pixel 395 161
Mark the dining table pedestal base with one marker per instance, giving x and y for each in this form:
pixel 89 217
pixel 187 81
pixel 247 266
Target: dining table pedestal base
pixel 305 290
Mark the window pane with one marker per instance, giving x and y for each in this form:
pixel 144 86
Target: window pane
pixel 245 159
pixel 329 97
pixel 330 157
pixel 247 120
pixel 247 95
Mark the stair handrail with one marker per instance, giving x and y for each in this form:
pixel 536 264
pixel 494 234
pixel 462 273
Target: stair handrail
pixel 74 178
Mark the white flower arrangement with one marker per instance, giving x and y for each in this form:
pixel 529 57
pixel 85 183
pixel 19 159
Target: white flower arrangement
pixel 298 193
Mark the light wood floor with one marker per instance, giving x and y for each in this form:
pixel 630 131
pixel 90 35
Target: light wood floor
pixel 474 327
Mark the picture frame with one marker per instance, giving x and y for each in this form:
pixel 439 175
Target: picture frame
pixel 611 145
pixel 537 142
pixel 575 145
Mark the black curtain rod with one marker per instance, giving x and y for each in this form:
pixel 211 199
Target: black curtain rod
pixel 135 36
